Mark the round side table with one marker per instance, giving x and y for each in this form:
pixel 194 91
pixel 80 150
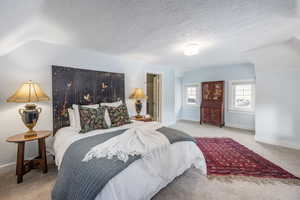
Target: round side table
pixel 40 162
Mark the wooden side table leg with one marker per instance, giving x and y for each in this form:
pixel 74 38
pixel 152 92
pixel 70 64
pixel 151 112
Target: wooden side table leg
pixel 20 162
pixel 43 157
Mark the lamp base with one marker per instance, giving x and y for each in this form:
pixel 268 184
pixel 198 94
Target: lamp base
pixel 138 108
pixel 30 134
pixel 30 116
pixel 138 116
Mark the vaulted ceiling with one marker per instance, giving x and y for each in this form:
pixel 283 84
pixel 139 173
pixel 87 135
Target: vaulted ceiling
pixel 154 31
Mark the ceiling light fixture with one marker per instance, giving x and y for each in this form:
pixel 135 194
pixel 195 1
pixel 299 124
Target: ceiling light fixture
pixel 191 49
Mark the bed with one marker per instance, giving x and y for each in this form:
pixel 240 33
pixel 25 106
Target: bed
pixel 134 180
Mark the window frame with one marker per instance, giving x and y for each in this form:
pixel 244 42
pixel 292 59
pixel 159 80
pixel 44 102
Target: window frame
pixel 186 95
pixel 231 96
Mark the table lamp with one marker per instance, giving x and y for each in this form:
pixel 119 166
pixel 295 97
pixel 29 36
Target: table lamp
pixel 29 93
pixel 138 95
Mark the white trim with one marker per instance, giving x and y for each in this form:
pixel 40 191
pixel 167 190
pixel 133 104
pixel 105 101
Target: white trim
pixel 277 142
pixel 185 103
pixel 239 126
pixel 14 163
pixel 170 123
pixel 230 97
pixel 161 93
pixel 241 112
pixel 190 119
pixel 7 165
pixel 191 105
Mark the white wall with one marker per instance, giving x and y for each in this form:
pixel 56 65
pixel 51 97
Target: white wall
pixel 278 95
pixel 33 62
pixel 226 73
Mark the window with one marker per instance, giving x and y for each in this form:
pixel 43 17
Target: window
pixel 242 96
pixel 191 95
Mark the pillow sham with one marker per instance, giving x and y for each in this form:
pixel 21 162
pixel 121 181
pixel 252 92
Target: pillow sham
pixel 113 104
pixel 118 115
pixel 92 119
pixel 77 125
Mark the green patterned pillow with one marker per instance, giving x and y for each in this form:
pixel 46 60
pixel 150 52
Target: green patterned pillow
pixel 118 115
pixel 92 119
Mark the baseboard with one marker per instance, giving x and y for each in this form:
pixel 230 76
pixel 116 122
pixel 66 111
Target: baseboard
pixel 168 123
pixel 226 125
pixel 278 143
pixel 11 165
pixel 7 167
pixel 239 126
pixel 189 119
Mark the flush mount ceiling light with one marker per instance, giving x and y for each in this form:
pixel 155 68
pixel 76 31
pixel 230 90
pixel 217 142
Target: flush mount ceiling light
pixel 191 49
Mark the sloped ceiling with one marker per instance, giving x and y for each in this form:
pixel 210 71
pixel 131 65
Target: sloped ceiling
pixel 153 31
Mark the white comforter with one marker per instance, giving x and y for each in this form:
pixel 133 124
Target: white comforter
pixel 137 182
pixel 143 140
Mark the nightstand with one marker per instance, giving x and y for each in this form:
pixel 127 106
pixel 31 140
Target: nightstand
pixel 143 119
pixel 40 162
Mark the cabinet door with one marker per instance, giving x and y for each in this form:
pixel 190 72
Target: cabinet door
pixel 206 115
pixel 215 115
pixel 205 91
pixel 217 91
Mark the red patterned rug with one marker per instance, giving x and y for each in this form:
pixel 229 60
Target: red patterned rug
pixel 224 156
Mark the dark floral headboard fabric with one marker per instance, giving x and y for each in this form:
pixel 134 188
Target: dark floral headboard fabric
pixel 83 87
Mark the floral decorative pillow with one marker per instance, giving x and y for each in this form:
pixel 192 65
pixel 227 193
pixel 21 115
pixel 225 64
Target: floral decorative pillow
pixel 118 115
pixel 92 119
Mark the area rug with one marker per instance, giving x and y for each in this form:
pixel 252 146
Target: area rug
pixel 226 157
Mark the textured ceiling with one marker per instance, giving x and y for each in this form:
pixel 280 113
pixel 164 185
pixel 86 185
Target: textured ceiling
pixel 152 31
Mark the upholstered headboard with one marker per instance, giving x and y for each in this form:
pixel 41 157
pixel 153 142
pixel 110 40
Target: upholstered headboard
pixel 82 87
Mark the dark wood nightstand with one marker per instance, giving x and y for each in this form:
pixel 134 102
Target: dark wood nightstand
pixel 40 162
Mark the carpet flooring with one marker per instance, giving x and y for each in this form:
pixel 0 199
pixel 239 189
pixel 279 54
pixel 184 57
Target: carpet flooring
pixel 191 185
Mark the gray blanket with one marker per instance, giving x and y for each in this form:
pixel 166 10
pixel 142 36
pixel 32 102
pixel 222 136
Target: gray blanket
pixel 79 180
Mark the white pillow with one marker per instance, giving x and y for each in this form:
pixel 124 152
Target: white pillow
pixel 72 118
pixel 113 104
pixel 77 115
pixel 107 118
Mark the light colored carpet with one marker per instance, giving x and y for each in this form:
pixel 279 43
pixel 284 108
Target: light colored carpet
pixel 191 185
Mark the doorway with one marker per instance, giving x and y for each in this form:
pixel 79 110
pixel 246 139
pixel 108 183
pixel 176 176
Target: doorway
pixel 154 96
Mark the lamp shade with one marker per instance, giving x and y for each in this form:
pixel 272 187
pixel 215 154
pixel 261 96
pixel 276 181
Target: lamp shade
pixel 28 92
pixel 138 94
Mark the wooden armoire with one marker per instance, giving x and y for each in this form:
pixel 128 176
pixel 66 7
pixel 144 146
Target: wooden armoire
pixel 212 104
